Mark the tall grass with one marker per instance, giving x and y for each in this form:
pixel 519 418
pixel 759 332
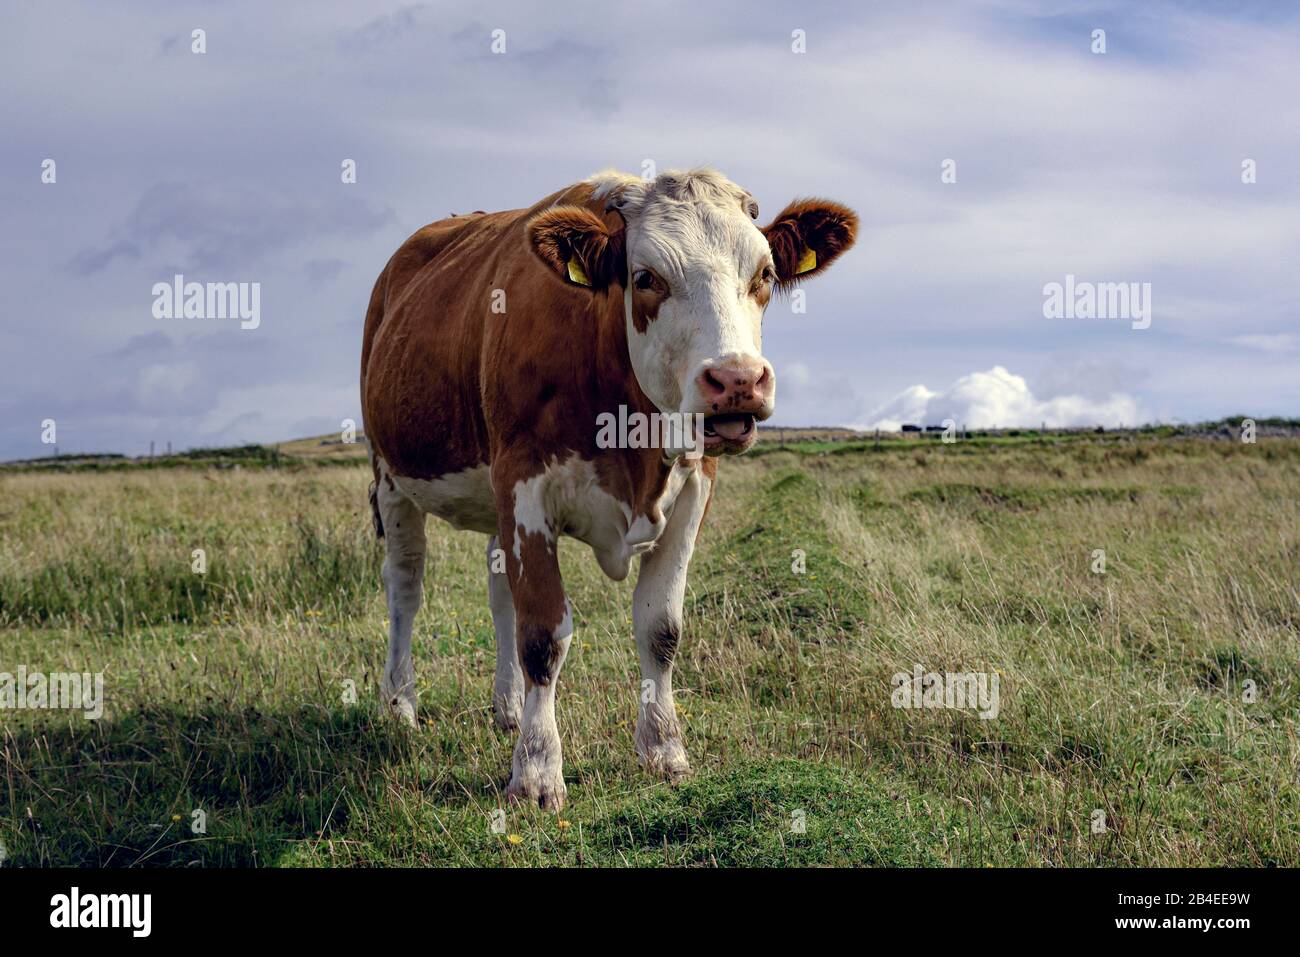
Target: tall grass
pixel 112 554
pixel 1162 693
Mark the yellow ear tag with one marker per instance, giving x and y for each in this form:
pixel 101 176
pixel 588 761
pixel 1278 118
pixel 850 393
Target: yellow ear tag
pixel 576 274
pixel 807 262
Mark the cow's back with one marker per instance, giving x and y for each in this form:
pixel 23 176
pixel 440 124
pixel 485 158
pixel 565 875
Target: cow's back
pixel 420 390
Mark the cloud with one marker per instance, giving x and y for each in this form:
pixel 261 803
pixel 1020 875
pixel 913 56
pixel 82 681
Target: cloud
pixel 805 397
pixel 324 270
pixel 274 413
pixel 997 398
pixel 1093 377
pixel 1100 166
pixel 217 226
pixel 150 343
pixel 1280 342
pixel 160 384
pixel 382 30
pixel 94 259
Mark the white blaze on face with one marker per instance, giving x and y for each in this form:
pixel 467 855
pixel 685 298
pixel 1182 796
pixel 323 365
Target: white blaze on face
pixel 694 233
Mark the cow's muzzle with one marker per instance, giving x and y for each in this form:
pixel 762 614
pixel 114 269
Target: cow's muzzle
pixel 729 433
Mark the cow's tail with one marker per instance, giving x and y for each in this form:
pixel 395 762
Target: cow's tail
pixel 374 499
pixel 374 316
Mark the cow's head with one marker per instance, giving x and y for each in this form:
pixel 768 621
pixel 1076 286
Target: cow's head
pixel 695 274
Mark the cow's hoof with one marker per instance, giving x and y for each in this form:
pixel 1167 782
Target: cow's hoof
pixel 507 712
pixel 399 698
pixel 546 791
pixel 400 705
pixel 666 759
pixel 403 710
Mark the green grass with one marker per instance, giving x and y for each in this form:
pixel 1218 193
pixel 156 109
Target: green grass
pixel 1125 691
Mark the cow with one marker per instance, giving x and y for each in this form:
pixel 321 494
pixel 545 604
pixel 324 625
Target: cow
pixel 493 344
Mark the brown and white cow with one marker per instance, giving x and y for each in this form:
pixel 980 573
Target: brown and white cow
pixel 494 341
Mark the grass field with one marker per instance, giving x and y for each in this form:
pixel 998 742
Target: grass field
pixel 1163 693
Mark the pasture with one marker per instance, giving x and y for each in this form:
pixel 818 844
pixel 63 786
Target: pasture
pixel 1161 693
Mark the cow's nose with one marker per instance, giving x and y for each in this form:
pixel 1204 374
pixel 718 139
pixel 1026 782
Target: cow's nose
pixel 743 385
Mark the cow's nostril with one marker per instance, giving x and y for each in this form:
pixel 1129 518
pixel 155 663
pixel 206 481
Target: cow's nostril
pixel 712 384
pixel 764 379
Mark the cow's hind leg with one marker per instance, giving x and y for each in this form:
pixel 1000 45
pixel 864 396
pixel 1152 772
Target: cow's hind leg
pixel 403 525
pixel 508 686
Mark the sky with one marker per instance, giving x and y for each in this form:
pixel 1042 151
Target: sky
pixel 989 151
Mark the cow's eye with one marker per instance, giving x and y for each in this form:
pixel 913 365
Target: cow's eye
pixel 765 276
pixel 647 281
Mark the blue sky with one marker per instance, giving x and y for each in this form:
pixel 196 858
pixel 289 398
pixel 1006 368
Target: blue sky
pixel 1118 167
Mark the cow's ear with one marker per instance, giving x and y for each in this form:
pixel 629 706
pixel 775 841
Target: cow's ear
pixel 578 246
pixel 807 237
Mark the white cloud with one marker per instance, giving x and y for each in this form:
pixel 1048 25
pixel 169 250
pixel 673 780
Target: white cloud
pixel 984 400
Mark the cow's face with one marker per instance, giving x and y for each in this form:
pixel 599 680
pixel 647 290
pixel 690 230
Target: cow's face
pixel 695 275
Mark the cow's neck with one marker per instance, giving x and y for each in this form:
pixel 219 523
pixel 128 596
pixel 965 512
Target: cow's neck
pixel 646 468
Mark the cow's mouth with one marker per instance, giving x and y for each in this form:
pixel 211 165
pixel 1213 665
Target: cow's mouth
pixel 729 433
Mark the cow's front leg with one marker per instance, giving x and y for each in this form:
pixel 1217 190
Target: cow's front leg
pixel 543 629
pixel 657 621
